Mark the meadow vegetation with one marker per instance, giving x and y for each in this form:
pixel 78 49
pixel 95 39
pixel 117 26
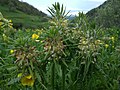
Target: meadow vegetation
pixel 81 56
pixel 23 15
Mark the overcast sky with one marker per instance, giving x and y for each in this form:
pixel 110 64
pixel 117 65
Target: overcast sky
pixel 73 5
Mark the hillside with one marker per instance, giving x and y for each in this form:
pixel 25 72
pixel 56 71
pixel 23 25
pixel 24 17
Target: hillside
pixel 106 15
pixel 22 14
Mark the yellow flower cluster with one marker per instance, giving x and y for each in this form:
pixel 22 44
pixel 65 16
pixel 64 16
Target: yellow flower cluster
pixel 6 22
pixel 98 42
pixel 26 80
pixel 35 36
pixel 106 45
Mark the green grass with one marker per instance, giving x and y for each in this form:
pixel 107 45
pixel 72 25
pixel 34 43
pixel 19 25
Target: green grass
pixel 25 19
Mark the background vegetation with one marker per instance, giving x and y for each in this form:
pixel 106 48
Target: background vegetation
pixel 106 15
pixel 23 14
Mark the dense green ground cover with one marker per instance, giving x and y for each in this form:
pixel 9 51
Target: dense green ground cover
pixel 23 19
pixel 81 57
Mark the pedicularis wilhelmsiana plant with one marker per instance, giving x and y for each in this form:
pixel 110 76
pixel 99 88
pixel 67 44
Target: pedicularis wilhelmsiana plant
pixel 69 55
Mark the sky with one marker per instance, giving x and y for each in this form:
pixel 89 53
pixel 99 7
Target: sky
pixel 74 6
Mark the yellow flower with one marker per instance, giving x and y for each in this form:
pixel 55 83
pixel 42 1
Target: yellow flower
pixel 113 46
pixel 10 21
pixel 106 45
pixel 19 75
pixel 27 80
pixel 35 36
pixel 11 51
pixel 113 39
pixel 84 42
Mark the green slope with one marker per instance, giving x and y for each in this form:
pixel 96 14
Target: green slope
pixel 106 15
pixel 22 19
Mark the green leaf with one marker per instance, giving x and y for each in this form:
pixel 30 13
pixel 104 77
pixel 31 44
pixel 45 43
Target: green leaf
pixel 64 63
pixel 50 13
pixel 12 68
pixel 39 79
pixel 61 10
pixel 1 16
pixel 12 81
pixel 58 69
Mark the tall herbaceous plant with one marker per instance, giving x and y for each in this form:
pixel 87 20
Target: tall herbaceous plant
pixel 69 55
